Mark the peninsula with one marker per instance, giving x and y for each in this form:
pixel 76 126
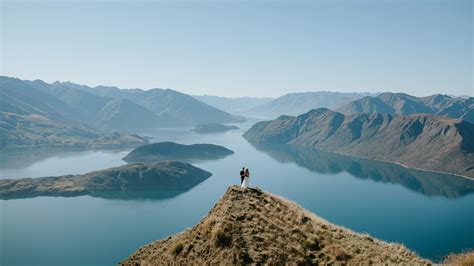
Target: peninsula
pixel 162 176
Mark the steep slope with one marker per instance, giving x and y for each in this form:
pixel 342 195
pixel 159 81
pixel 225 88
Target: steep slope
pixel 184 107
pixel 181 107
pixel 17 96
pixel 126 115
pixel 421 141
pixel 104 112
pixel 34 131
pixel 404 104
pixel 299 103
pixel 232 105
pixel 162 176
pixel 250 226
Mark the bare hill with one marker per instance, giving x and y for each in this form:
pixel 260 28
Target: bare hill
pixel 251 226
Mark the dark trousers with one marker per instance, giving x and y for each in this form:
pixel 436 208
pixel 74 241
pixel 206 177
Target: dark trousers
pixel 242 179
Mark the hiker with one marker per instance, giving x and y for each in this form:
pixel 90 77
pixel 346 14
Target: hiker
pixel 242 175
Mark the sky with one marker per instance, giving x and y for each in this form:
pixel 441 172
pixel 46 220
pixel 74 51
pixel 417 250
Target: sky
pixel 243 48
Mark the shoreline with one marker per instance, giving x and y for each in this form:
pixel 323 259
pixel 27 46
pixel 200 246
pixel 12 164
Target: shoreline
pixel 387 161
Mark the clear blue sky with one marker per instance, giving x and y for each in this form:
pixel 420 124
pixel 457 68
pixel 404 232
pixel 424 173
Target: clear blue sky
pixel 237 48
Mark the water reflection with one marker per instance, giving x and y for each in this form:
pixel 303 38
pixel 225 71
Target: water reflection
pixel 25 158
pixel 427 183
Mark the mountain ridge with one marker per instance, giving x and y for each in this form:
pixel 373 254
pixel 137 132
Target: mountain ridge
pixel 301 102
pixel 423 141
pixel 404 104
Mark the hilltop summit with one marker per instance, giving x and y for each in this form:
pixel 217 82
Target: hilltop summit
pixel 251 226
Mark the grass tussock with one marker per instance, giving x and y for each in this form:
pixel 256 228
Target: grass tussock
pixel 177 248
pixel 248 226
pixel 221 238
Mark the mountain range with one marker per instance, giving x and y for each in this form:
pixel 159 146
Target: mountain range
pixel 404 104
pixel 423 141
pixel 107 107
pixel 175 107
pixel 302 102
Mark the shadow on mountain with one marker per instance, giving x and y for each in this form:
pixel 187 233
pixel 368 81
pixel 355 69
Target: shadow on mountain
pixel 425 182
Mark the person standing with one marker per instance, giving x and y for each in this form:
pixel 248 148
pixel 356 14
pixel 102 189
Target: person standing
pixel 242 175
pixel 246 183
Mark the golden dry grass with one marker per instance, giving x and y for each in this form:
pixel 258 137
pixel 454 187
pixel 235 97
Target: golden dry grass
pixel 248 226
pixel 461 259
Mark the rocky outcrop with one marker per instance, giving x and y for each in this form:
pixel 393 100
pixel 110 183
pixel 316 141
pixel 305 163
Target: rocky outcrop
pixel 137 177
pixel 428 142
pixel 174 151
pixel 248 226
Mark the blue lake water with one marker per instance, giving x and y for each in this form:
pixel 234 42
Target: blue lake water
pixel 430 213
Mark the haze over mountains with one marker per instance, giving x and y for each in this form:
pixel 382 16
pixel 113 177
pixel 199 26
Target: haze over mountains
pixel 420 141
pixel 233 105
pixel 299 103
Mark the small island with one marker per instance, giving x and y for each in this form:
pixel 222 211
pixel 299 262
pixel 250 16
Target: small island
pixel 174 151
pixel 162 176
pixel 252 227
pixel 213 128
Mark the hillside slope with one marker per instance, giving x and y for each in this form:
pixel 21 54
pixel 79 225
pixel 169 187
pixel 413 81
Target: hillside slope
pixel 20 132
pixel 251 226
pixel 404 104
pixel 420 141
pixel 182 108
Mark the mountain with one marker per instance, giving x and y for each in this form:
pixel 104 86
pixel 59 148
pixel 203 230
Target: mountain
pixel 174 151
pixel 299 103
pixel 105 112
pixel 61 103
pixel 319 161
pixel 404 104
pixel 428 142
pixel 248 226
pixel 19 132
pixel 232 105
pixel 19 97
pixel 183 108
pixel 163 176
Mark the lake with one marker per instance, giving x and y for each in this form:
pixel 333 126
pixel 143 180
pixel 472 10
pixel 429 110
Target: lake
pixel 430 213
